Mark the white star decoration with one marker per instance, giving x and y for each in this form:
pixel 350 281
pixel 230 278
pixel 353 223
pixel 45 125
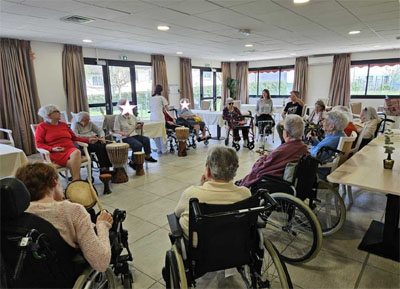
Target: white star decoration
pixel 127 108
pixel 184 103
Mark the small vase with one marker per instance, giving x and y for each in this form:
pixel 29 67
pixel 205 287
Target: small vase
pixel 388 164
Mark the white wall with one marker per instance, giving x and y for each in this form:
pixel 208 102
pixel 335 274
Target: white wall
pixel 48 69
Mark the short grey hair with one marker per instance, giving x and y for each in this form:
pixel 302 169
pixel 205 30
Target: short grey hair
pixel 122 101
pixel 223 163
pixel 370 113
pixel 338 119
pixel 294 126
pixel 345 110
pixel 46 110
pixel 81 115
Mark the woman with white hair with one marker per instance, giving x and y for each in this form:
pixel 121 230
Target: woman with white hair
pixel 126 125
pixel 291 150
pixel 56 137
pixel 350 125
pixel 83 127
pixel 216 186
pixel 333 125
pixel 233 116
pixel 370 120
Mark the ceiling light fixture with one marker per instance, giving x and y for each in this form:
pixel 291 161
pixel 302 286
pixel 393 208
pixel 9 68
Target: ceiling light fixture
pixel 232 59
pixel 293 54
pixel 300 1
pixel 245 32
pixel 353 32
pixel 179 52
pixel 87 40
pixel 248 45
pixel 163 27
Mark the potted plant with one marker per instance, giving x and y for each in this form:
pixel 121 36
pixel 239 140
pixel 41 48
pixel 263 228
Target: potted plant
pixel 231 84
pixel 388 163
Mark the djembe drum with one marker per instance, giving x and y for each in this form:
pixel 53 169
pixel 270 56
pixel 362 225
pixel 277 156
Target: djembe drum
pixel 182 134
pixel 138 159
pixel 118 154
pixel 105 178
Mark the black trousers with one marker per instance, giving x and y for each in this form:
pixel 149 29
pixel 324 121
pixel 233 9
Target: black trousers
pixel 137 143
pixel 100 149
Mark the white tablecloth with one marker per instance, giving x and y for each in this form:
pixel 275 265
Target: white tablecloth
pixel 210 117
pixel 153 129
pixel 11 159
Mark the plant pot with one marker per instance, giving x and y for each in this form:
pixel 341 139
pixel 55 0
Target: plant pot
pixel 388 164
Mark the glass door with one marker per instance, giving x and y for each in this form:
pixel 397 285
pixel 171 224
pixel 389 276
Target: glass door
pixel 120 84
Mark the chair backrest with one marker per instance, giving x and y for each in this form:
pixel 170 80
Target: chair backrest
pixel 205 104
pixel 355 108
pixel 304 111
pixel 33 129
pixel 108 123
pixel 345 145
pixel 64 116
pixel 359 140
pixel 225 241
pixel 305 176
pixel 236 103
pixel 56 270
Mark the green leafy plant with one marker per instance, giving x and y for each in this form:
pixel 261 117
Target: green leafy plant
pixel 389 150
pixel 232 86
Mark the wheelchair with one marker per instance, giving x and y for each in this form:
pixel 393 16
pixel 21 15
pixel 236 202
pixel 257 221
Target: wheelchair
pixel 34 255
pixel 237 124
pixel 265 129
pixel 223 237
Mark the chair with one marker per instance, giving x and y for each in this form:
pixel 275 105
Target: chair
pixel 85 159
pixel 64 117
pixel 223 237
pixel 205 104
pixel 355 109
pixel 10 139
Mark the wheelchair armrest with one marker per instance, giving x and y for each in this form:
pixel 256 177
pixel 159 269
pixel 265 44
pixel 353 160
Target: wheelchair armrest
pixel 273 181
pixel 82 144
pixel 45 154
pixel 175 227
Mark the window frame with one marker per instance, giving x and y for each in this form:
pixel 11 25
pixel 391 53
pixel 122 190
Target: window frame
pixel 214 90
pixel 109 104
pixel 368 64
pixel 279 68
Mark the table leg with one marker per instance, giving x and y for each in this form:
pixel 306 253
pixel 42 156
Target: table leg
pixel 218 134
pixel 383 239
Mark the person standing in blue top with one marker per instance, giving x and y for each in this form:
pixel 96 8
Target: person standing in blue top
pixel 333 125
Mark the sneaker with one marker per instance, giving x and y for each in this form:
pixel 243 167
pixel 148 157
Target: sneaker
pixel 151 160
pixel 132 165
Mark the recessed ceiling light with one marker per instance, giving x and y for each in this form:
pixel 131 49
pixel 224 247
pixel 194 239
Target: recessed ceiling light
pixel 179 52
pixel 376 46
pixel 354 32
pixel 232 59
pixel 163 27
pixel 300 1
pixel 248 45
pixel 293 54
pixel 87 41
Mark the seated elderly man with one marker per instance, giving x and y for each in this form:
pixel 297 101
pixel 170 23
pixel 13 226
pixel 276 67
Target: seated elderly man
pixel 83 127
pixel 216 186
pixel 274 163
pixel 126 125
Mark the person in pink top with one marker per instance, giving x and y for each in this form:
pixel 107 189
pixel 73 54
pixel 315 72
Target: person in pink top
pixel 274 163
pixel 70 219
pixel 56 137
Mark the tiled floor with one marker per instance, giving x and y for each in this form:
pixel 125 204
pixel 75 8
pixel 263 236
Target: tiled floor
pixel 148 199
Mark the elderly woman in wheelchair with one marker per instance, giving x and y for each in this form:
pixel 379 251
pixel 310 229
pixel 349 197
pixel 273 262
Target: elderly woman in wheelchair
pixel 214 228
pixel 55 232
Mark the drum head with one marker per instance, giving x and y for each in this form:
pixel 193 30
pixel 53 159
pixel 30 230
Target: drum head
pixel 79 192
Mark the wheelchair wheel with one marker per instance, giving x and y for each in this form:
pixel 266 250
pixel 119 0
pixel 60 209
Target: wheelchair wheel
pixel 294 229
pixel 206 142
pixel 95 280
pixel 226 141
pixel 236 146
pixel 250 145
pixel 329 209
pixel 174 273
pixel 272 273
pixel 127 281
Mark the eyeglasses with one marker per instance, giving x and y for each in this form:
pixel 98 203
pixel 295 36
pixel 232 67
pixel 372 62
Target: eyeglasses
pixel 231 103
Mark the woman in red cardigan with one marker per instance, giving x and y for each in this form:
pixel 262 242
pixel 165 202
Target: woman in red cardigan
pixel 56 137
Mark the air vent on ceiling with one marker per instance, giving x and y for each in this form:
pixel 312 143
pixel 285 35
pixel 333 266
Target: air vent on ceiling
pixel 77 19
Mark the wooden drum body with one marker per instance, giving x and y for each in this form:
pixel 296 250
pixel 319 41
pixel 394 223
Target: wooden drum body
pixel 182 134
pixel 138 158
pixel 118 154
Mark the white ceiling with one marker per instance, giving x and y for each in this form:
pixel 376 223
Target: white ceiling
pixel 210 28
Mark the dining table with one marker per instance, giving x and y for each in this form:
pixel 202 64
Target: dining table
pixel 11 159
pixel 365 170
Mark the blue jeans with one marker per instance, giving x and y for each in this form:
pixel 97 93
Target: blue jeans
pixel 137 142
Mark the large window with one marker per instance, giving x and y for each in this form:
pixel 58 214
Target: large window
pixel 111 80
pixel 375 78
pixel 207 85
pixel 278 80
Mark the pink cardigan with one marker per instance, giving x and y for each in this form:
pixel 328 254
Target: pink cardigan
pixel 75 227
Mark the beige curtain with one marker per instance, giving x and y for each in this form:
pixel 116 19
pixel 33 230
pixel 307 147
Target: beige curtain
pixel 242 72
pixel 226 73
pixel 159 69
pixel 74 79
pixel 19 100
pixel 301 76
pixel 186 80
pixel 339 90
